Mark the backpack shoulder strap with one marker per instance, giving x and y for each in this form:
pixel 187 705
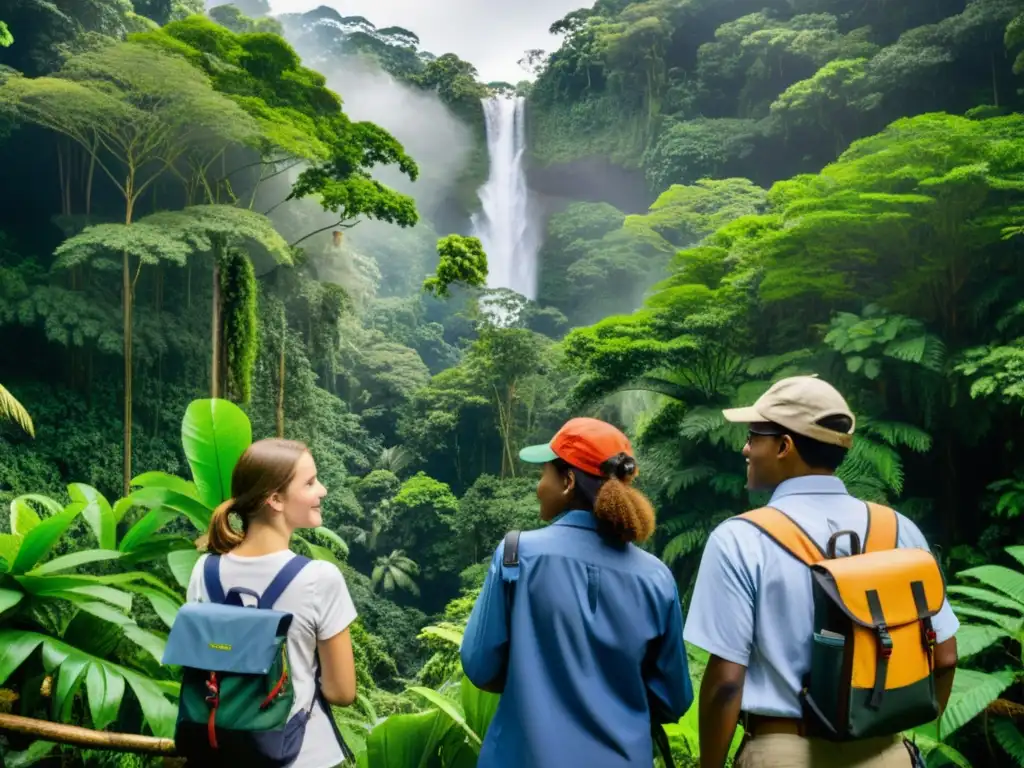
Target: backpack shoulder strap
pixel 211 579
pixel 781 529
pixel 281 581
pixel 883 528
pixel 510 558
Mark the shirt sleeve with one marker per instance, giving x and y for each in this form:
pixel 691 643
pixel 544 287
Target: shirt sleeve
pixel 335 609
pixel 194 592
pixel 485 641
pixel 668 677
pixel 945 623
pixel 721 615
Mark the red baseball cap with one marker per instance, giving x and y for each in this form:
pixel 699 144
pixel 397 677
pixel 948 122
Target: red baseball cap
pixel 583 443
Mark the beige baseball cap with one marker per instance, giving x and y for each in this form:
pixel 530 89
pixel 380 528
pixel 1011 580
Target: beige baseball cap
pixel 797 403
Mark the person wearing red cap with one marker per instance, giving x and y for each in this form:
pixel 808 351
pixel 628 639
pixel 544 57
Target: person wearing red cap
pixel 578 628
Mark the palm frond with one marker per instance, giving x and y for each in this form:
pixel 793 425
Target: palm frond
pixel 12 410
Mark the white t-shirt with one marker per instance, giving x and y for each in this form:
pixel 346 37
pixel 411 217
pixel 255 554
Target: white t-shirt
pixel 321 606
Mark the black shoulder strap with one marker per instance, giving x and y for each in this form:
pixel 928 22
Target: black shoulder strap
pixel 510 558
pixel 661 741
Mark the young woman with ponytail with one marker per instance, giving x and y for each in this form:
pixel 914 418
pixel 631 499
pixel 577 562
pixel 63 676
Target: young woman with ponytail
pixel 275 491
pixel 580 630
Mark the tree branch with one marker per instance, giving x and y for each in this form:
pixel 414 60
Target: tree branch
pixel 337 225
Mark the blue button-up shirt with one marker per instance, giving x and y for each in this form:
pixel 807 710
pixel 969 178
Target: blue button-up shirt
pixel 595 641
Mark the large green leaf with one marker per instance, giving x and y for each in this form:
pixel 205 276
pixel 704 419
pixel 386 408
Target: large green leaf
pixel 449 708
pixel 38 542
pixel 165 606
pixel 105 691
pixel 48 585
pixel 142 531
pixel 448 634
pixel 214 434
pixel 165 480
pixel 17 645
pixel 182 562
pixel 407 741
pixel 9 546
pixel 74 560
pixel 9 598
pixel 23 517
pixel 155 497
pixel 479 707
pixel 97 513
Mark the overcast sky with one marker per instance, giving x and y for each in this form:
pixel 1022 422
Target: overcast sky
pixel 491 34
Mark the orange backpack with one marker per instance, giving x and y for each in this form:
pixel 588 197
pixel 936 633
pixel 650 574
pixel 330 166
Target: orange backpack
pixel 872 652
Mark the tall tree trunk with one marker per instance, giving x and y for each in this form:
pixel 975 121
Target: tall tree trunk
pixel 280 377
pixel 215 329
pixel 127 289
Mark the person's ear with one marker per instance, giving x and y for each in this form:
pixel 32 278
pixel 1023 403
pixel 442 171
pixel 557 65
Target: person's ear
pixel 786 446
pixel 569 481
pixel 275 502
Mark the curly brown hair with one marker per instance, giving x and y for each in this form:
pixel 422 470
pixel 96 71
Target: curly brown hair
pixel 624 512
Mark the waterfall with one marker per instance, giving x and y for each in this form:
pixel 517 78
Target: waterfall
pixel 506 225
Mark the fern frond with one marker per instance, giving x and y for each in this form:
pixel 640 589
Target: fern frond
pixel 896 434
pixel 1017 553
pixel 868 458
pixel 972 639
pixel 998 577
pixel 972 692
pixel 700 422
pixel 991 599
pixel 683 544
pixel 1009 738
pixel 1001 620
pixel 12 410
pixel 687 477
pixel 772 363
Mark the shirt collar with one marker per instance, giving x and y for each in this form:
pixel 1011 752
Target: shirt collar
pixel 809 485
pixel 577 518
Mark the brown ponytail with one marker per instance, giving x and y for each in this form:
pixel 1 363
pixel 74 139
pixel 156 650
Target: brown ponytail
pixel 266 468
pixel 626 513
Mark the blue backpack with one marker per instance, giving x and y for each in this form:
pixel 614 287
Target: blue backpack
pixel 236 689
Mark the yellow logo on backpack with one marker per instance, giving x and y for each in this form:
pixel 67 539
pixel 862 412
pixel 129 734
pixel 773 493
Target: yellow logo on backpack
pixel 872 652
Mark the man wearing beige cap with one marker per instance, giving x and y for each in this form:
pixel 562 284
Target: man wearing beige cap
pixel 752 606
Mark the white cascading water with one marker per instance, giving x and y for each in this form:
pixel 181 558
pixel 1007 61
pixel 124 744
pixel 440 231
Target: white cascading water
pixel 506 225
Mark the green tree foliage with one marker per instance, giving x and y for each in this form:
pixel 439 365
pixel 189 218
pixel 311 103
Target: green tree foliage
pixel 462 260
pixel 688 89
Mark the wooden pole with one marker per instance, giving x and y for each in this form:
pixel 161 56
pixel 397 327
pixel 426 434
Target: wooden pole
pixel 75 736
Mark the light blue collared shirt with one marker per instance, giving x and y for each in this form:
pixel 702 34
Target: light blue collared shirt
pixel 752 603
pixel 596 628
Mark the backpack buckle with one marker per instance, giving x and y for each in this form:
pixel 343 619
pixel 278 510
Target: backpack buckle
pixel 886 641
pixel 213 699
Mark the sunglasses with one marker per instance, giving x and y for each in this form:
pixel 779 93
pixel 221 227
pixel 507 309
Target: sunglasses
pixel 765 431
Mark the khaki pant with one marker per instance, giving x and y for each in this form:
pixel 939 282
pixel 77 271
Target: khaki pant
pixel 783 750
